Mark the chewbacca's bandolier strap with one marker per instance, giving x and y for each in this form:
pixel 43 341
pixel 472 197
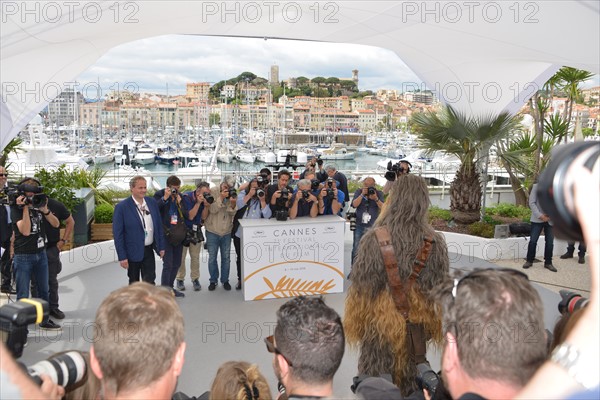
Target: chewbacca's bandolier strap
pixel 391 266
pixel 399 291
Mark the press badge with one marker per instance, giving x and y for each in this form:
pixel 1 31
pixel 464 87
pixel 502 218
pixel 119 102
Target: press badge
pixel 195 228
pixel 145 233
pixel 40 242
pixel 174 219
pixel 366 218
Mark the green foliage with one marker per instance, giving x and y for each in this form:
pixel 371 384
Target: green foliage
pixel 214 119
pixel 482 229
pixel 587 132
pixel 103 214
pixel 439 213
pixel 59 184
pixel 509 210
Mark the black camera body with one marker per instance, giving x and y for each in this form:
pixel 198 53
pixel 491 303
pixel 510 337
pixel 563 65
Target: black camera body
pixel 10 194
pixel 351 217
pixel 282 215
pixel 305 195
pixel 393 170
pixel 555 186
pixel 232 194
pixel 285 195
pixel 314 184
pixel 329 194
pixel 209 197
pixel 193 237
pixel 371 191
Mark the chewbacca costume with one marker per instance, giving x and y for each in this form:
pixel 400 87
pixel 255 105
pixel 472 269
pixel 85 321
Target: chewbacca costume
pixel 371 321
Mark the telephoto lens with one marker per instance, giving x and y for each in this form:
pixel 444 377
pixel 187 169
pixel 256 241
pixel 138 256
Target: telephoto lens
pixel 555 186
pixel 571 301
pixel 64 369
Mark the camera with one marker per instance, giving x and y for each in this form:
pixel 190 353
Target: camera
pixel 351 217
pixel 427 379
pixel 570 301
pixel 393 170
pixel 314 184
pixel 555 186
pixel 371 191
pixel 329 194
pixel 262 180
pixel 173 191
pixel 329 182
pixel 305 194
pixel 232 194
pixel 285 195
pixel 319 161
pixel 9 195
pixel 65 369
pixel 260 193
pixel 281 215
pixel 14 318
pixel 209 197
pixel 193 237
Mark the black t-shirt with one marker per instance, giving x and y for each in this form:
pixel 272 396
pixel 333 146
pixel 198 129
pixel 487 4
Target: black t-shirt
pixel 60 211
pixel 36 241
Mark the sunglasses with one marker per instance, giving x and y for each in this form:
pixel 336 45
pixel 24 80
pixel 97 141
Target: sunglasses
pixel 3 174
pixel 475 274
pixel 271 348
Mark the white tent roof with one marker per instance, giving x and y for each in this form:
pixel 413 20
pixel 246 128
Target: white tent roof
pixel 480 56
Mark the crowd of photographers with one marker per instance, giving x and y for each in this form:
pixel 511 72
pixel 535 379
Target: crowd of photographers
pixel 494 344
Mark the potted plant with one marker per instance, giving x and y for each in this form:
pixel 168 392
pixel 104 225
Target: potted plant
pixel 102 225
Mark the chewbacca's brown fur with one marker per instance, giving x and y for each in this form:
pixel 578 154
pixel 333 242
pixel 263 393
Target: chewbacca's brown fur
pixel 372 321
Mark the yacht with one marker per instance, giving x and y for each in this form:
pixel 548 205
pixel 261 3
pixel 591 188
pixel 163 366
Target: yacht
pixel 337 151
pixel 144 155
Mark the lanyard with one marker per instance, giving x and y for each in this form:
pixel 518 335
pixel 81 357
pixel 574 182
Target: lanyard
pixel 139 210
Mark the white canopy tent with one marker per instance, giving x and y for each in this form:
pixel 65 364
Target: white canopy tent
pixel 481 56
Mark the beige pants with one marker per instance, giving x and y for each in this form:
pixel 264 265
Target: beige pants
pixel 195 251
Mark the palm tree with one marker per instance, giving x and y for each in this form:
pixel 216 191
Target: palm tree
pixel 12 147
pixel 467 138
pixel 569 80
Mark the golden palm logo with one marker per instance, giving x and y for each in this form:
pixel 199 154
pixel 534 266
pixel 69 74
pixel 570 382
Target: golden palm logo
pixel 290 287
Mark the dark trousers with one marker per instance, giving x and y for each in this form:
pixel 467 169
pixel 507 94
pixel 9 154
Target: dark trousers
pixel 146 267
pixel 536 230
pixel 582 249
pixel 237 243
pixel 54 268
pixel 171 263
pixel 6 266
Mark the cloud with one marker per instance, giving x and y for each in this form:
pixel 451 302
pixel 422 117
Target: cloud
pixel 175 60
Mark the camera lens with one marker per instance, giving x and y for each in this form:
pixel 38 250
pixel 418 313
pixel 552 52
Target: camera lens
pixel 65 369
pixel 555 186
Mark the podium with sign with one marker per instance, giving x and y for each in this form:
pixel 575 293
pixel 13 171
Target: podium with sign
pixel 304 256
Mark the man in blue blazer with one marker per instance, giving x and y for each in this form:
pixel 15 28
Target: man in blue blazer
pixel 138 231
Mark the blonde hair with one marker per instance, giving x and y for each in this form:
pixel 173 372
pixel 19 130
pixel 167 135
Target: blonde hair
pixel 239 380
pixel 89 387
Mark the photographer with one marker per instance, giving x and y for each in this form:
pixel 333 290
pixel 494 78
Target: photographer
pixel 278 194
pixel 173 216
pixel 218 234
pixel 251 205
pixel 304 203
pixel 196 203
pixel 332 172
pixel 315 165
pixel 402 167
pixel 368 202
pixel 330 198
pixel 27 214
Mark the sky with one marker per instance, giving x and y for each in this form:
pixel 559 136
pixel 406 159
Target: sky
pixel 149 65
pixel 152 64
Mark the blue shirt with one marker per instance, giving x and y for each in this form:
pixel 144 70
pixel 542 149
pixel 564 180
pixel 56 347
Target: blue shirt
pixel 367 210
pixel 188 201
pixel 253 211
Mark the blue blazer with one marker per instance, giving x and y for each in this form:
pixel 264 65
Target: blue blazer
pixel 128 230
